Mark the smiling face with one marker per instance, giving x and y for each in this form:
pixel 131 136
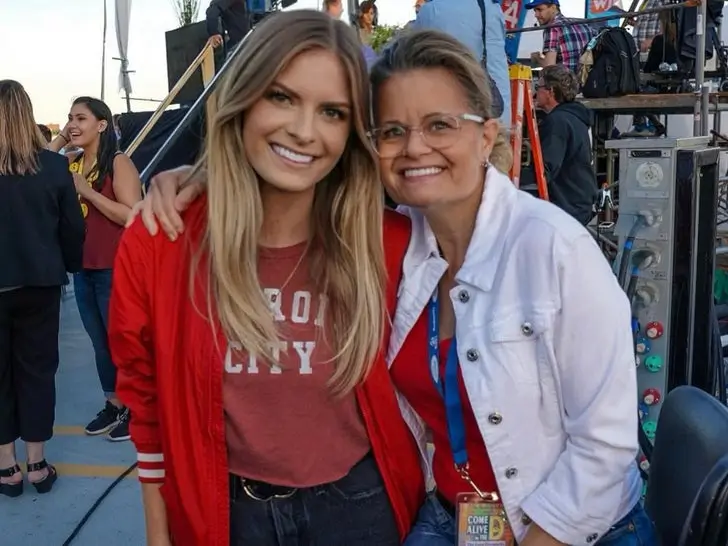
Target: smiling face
pixel 427 173
pixel 297 132
pixel 84 128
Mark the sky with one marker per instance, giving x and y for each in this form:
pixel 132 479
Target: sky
pixel 55 48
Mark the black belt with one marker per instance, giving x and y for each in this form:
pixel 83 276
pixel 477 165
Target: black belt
pixel 264 492
pixel 257 490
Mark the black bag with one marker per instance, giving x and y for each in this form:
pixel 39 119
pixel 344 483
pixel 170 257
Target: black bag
pixel 616 68
pixel 495 94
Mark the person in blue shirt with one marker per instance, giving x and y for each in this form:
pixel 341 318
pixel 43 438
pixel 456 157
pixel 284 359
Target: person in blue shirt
pixel 462 19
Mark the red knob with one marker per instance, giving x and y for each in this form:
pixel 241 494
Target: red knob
pixel 654 330
pixel 644 463
pixel 651 397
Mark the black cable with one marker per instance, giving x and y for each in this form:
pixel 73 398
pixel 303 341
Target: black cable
pixel 633 280
pixel 627 250
pixel 96 504
pixel 716 358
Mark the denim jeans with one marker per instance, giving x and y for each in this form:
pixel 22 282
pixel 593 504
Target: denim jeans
pixel 92 288
pixel 436 527
pixel 353 511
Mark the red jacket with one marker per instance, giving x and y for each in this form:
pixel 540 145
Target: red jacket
pixel 171 372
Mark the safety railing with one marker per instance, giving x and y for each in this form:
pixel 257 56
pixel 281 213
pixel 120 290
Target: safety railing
pixel 205 61
pixel 192 112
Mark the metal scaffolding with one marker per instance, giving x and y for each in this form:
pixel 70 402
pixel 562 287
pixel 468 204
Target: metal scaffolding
pixel 701 107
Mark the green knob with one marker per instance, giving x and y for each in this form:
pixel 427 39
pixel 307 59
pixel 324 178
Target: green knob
pixel 653 363
pixel 650 428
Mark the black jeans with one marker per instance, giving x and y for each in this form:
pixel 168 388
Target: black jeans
pixel 353 511
pixel 29 319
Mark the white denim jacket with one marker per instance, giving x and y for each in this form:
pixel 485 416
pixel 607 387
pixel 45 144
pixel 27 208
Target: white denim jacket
pixel 546 352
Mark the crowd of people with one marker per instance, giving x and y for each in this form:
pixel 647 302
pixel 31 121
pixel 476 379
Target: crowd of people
pixel 285 355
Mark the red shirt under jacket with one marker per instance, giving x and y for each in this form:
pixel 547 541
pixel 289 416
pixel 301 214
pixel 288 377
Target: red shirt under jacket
pixel 412 377
pixel 171 373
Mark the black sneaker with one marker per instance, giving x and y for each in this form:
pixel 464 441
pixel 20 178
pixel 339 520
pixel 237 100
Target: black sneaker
pixel 120 432
pixel 105 420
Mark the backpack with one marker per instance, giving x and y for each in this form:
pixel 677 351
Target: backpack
pixel 616 68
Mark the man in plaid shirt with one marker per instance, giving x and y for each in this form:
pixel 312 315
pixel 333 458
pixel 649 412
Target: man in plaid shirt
pixel 561 44
pixel 647 26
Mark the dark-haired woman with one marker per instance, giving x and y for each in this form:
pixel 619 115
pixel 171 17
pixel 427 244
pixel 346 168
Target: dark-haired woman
pixel 108 186
pixel 41 239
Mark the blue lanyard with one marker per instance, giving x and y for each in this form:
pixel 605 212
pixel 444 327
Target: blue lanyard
pixel 448 388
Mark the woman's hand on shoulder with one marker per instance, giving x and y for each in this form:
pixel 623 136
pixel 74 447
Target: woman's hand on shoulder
pixel 165 201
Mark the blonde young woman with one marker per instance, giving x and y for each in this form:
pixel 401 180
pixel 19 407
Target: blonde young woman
pixel 496 316
pixel 250 352
pixel 41 239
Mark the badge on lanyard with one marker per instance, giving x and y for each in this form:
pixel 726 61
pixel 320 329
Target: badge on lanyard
pixel 480 516
pixel 482 521
pixel 77 168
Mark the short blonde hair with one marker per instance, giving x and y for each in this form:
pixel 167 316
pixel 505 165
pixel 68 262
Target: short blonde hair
pixel 433 49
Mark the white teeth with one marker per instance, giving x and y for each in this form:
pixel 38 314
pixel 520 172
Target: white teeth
pixel 427 171
pixel 291 155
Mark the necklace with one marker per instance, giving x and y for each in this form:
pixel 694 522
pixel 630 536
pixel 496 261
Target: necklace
pixel 77 167
pixel 274 297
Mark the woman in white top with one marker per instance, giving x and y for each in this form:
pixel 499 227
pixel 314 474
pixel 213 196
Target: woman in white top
pixel 534 332
pixel 541 413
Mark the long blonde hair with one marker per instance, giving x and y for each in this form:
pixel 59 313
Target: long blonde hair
pixel 422 49
pixel 347 214
pixel 20 138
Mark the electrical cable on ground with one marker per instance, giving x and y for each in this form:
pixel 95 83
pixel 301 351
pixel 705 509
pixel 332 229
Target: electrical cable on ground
pixel 96 504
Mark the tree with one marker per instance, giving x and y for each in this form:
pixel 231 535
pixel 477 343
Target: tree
pixel 187 11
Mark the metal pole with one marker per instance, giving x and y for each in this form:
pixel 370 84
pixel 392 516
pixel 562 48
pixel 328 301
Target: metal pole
pixel 603 19
pixel 700 118
pixel 125 71
pixel 103 55
pixel 352 8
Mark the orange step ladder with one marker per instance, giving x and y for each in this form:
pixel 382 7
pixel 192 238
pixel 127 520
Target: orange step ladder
pixel 521 77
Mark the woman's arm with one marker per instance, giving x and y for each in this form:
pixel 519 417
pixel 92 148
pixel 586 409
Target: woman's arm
pixel 127 188
pixel 155 515
pixel 594 354
pixel 62 139
pixel 132 350
pixel 170 193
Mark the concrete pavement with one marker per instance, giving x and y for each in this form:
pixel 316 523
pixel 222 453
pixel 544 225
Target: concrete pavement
pixel 86 465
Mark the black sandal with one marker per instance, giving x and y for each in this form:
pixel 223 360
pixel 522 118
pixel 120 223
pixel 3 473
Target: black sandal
pixel 11 489
pixel 46 484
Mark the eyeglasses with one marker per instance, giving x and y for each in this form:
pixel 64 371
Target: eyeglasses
pixel 438 132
